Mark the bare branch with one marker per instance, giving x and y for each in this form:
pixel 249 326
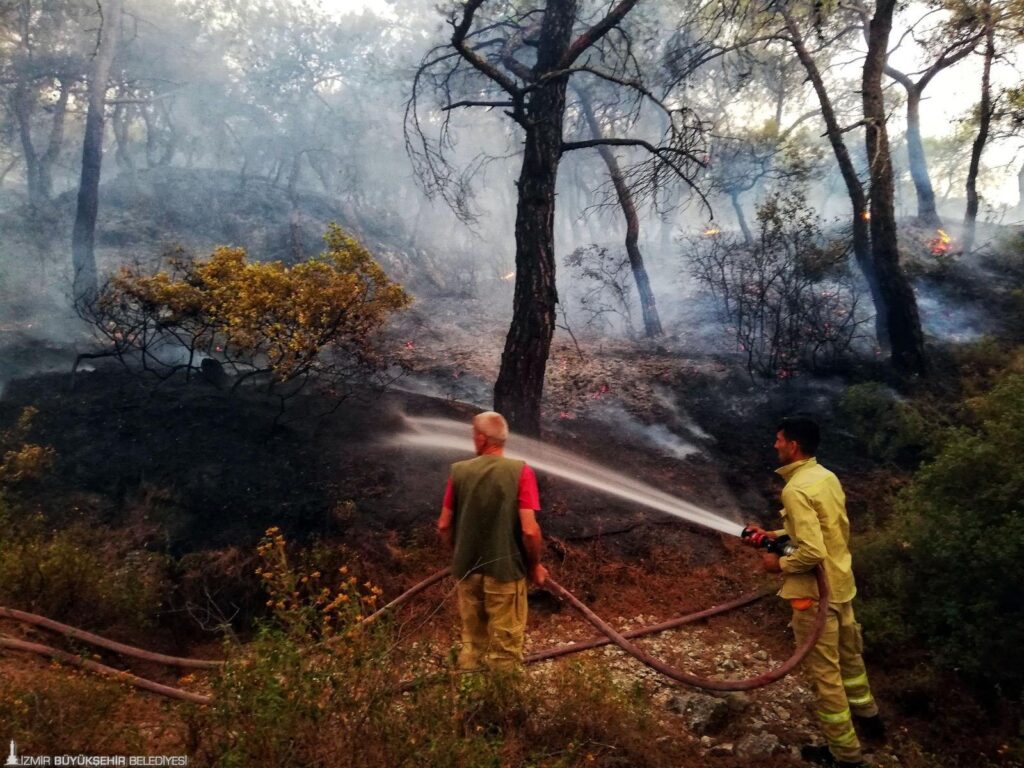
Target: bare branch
pixel 478 63
pixel 611 78
pixel 470 103
pixel 596 32
pixel 668 156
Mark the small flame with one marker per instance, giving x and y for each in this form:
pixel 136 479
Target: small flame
pixel 509 276
pixel 712 231
pixel 866 215
pixel 940 244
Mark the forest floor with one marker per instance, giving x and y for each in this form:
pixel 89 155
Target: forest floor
pixel 184 466
pixel 183 470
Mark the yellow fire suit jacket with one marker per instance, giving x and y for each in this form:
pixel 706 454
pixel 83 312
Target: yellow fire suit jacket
pixel 814 516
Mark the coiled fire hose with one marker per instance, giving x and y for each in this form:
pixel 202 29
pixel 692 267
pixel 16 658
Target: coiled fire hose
pixel 610 635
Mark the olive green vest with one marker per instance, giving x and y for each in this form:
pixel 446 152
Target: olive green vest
pixel 488 536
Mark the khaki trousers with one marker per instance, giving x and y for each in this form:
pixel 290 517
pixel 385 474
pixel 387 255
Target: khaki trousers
pixel 493 622
pixel 840 678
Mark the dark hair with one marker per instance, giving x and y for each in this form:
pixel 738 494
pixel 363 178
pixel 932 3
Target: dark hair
pixel 802 430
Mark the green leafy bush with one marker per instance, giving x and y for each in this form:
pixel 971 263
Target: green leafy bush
pixel 952 564
pixel 82 575
pixel 20 460
pixel 891 429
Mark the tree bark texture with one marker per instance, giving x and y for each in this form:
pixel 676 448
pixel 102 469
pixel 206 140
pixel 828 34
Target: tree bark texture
pixel 926 210
pixel 520 384
pixel 741 218
pixel 39 166
pixel 861 233
pixel 984 125
pixel 120 121
pixel 83 237
pixel 1020 191
pixel 953 53
pixel 652 323
pixel 904 324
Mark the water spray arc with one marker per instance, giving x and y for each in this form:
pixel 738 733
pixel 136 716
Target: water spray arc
pixel 450 435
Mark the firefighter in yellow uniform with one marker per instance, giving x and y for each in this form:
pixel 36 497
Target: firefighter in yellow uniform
pixel 814 518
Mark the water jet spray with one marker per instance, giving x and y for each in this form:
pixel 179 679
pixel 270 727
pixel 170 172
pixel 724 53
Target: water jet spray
pixel 447 434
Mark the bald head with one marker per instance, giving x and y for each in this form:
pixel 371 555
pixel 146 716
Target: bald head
pixel 492 427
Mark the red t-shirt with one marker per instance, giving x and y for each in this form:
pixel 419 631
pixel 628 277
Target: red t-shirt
pixel 529 496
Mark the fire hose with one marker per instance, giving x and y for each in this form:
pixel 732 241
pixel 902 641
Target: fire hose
pixel 622 639
pixel 94 666
pixel 111 645
pixel 610 635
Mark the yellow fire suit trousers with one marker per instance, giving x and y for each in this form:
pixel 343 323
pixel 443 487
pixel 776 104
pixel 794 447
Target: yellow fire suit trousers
pixel 840 678
pixel 493 622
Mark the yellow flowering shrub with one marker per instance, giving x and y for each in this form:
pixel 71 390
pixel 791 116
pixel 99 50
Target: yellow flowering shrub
pixel 319 686
pixel 22 460
pixel 263 321
pixel 306 602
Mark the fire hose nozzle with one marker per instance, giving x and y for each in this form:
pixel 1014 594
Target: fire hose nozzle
pixel 777 545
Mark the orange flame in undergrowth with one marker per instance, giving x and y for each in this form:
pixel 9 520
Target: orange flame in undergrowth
pixel 941 244
pixel 712 231
pixel 866 215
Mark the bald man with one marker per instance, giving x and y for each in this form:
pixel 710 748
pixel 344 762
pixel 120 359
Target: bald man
pixel 489 519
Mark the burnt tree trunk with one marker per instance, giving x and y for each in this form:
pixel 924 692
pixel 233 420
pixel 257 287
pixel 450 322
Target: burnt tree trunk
pixel 984 125
pixel 652 323
pixel 39 167
pixel 955 52
pixel 171 136
pixel 861 233
pixel 520 384
pixel 83 236
pixel 294 175
pixel 926 210
pixel 120 121
pixel 1020 191
pixel 741 218
pixel 905 336
pixel 23 102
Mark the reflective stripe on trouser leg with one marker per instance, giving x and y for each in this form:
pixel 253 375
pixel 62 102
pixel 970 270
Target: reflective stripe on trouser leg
pixel 822 666
pixel 851 663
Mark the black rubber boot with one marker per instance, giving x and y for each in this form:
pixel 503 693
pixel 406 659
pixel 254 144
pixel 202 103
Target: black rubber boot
pixel 871 728
pixel 822 755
